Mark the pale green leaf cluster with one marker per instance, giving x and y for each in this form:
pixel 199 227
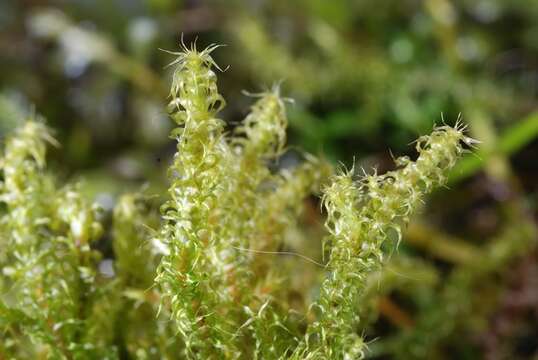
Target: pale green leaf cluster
pixel 55 302
pixel 225 208
pixel 205 267
pixel 361 215
pixel 225 201
pixel 136 260
pixel 49 291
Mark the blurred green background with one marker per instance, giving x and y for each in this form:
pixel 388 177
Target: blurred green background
pixel 366 76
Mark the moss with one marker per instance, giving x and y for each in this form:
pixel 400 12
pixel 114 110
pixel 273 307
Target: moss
pixel 226 211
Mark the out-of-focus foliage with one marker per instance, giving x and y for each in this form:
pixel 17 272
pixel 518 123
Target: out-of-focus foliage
pixel 365 76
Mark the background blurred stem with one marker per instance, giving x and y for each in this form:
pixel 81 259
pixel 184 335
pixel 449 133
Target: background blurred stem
pixel 511 141
pixel 440 245
pixel 57 26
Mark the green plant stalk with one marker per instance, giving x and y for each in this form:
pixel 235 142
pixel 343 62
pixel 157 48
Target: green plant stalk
pixel 50 267
pixel 136 260
pixel 194 272
pixel 360 216
pixel 225 206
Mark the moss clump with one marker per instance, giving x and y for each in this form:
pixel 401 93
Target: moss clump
pixel 208 254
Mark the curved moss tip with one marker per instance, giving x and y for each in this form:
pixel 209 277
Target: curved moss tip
pixel 360 214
